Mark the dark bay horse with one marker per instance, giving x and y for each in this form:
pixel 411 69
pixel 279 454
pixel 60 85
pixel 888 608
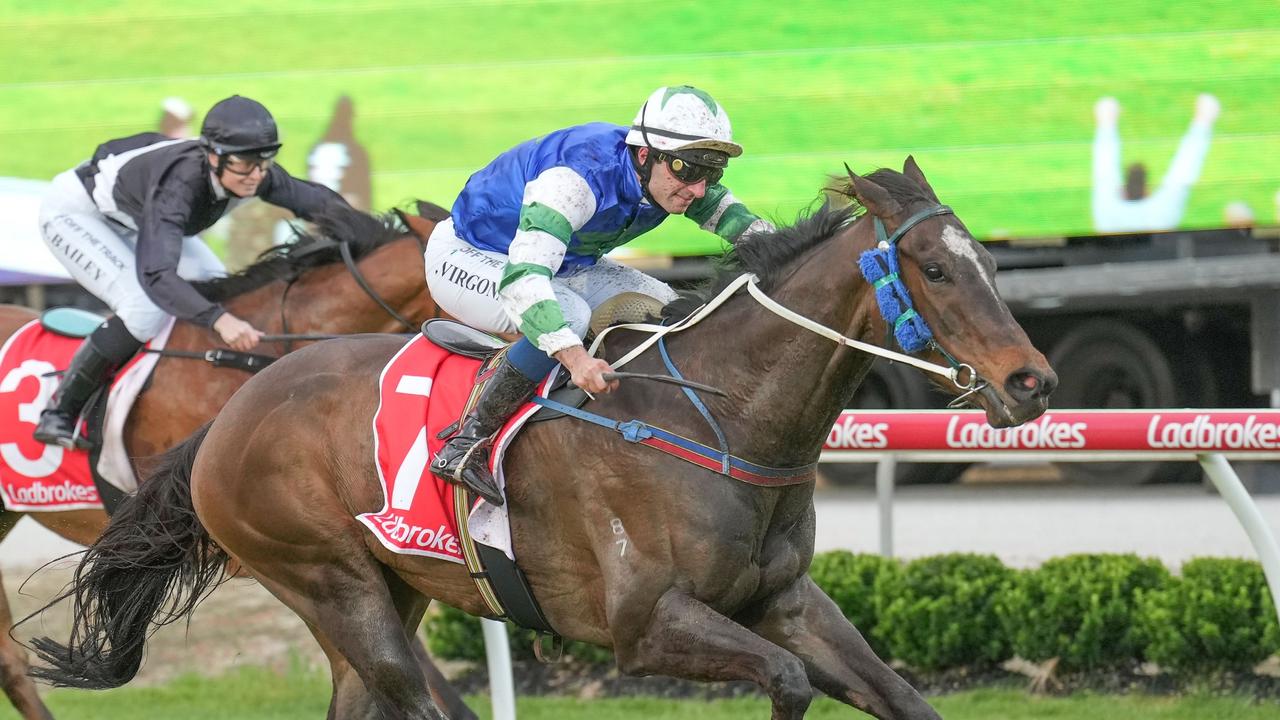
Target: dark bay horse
pixel 301 288
pixel 711 583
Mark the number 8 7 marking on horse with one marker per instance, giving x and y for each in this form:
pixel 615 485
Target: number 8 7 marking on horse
pixel 621 532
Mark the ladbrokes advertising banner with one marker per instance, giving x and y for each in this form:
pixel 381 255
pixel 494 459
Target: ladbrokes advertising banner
pixel 1164 431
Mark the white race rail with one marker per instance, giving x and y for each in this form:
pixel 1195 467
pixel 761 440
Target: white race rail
pixel 1208 436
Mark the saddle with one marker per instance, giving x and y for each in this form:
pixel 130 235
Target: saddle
pixel 70 322
pixel 462 339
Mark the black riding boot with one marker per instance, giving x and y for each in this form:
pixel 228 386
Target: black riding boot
pixel 465 458
pixel 98 357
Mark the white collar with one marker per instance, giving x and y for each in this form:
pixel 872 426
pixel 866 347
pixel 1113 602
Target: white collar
pixel 219 192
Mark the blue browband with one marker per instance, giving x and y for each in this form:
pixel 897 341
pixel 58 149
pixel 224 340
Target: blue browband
pixel 880 267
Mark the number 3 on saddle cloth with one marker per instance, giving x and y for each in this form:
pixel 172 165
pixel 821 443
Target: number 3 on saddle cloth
pixel 35 477
pixel 423 391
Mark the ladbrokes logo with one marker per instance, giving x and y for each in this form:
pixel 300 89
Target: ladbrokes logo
pixel 1042 435
pixel 440 540
pixel 849 434
pixel 38 493
pixel 1201 432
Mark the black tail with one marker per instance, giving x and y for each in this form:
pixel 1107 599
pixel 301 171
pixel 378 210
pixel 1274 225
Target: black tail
pixel 153 564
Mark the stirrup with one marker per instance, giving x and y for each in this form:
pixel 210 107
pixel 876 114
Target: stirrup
pixel 60 436
pixel 456 473
pixel 479 481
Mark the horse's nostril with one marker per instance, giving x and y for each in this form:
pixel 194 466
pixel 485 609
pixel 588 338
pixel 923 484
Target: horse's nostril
pixel 1048 384
pixel 1029 384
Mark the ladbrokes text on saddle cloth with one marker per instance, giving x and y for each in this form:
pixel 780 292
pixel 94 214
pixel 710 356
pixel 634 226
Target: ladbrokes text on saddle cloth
pixel 35 477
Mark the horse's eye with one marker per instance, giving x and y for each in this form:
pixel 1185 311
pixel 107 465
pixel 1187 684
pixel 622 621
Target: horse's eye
pixel 934 272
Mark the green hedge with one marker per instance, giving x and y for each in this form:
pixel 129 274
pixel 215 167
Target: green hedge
pixel 1079 609
pixel 940 611
pixel 1217 616
pixel 1090 611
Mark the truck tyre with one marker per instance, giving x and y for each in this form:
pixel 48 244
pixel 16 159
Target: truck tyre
pixel 1112 364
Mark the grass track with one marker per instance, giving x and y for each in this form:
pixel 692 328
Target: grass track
pixel 253 694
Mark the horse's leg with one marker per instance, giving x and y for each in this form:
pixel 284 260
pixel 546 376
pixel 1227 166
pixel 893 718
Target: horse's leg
pixel 348 605
pixel 78 526
pixel 683 637
pixel 13 658
pixel 412 606
pixel 839 662
pixel 350 698
pixel 444 693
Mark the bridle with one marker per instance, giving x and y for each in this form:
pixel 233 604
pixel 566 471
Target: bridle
pixel 903 323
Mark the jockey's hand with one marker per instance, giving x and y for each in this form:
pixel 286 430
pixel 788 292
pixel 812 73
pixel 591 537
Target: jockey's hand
pixel 587 372
pixel 237 333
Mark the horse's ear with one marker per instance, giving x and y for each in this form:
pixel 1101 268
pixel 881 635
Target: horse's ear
pixel 419 226
pixel 913 171
pixel 874 198
pixel 431 211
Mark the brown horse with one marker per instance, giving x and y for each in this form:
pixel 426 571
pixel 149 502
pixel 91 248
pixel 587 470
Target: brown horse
pixel 301 288
pixel 712 580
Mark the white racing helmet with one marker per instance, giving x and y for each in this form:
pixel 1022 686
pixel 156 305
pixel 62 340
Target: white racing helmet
pixel 682 119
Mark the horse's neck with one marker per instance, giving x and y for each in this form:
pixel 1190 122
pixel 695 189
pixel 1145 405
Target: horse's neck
pixel 328 300
pixel 790 383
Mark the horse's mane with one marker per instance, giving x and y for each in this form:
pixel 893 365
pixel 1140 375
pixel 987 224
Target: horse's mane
pixel 768 254
pixel 364 233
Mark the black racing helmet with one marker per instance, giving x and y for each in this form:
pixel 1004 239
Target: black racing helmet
pixel 240 125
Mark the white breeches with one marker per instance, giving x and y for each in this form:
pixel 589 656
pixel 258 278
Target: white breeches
pixel 100 255
pixel 463 280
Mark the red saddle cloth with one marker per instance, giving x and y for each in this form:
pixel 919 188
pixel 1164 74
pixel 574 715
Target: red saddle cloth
pixel 423 390
pixel 35 476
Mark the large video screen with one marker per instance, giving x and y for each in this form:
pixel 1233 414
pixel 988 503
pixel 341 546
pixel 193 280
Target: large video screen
pixel 1030 119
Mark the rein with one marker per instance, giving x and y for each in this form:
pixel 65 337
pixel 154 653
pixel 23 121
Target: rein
pixel 657 332
pixel 345 249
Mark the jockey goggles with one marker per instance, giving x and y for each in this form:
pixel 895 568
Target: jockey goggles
pixel 244 164
pixel 690 173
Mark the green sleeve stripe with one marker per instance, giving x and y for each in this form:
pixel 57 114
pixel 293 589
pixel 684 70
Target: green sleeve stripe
pixel 536 216
pixel 514 271
pixel 541 318
pixel 734 221
pixel 701 210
